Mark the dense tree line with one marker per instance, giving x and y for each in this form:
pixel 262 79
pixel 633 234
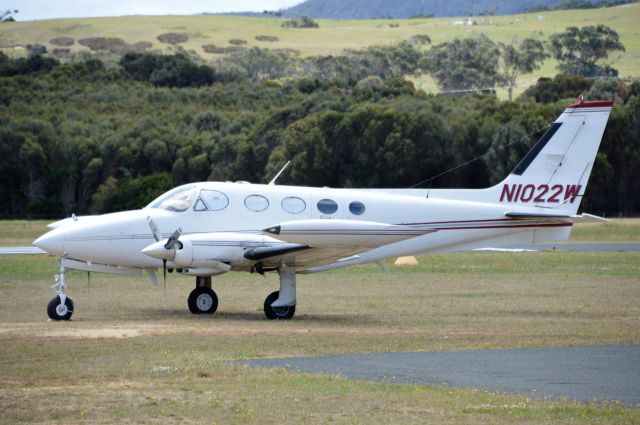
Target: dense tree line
pixel 88 138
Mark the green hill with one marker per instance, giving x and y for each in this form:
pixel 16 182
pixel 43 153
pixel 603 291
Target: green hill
pixel 365 9
pixel 332 37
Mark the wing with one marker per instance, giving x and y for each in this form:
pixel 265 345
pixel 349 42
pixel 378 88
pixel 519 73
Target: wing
pixel 312 243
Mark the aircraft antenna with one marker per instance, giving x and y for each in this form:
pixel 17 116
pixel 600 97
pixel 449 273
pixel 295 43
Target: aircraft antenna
pixel 431 179
pixel 273 180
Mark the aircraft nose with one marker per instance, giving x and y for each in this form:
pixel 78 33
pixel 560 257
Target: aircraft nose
pixel 157 250
pixel 52 242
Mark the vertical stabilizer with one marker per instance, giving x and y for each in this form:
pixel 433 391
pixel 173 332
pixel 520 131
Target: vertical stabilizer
pixel 555 172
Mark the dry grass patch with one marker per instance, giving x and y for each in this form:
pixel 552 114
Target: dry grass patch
pixel 62 41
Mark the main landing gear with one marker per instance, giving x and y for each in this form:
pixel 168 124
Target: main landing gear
pixel 203 300
pixel 281 305
pixel 61 306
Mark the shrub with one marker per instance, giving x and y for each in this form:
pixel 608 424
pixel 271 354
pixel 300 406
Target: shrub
pixel 237 42
pixel 111 44
pixel 62 41
pixel 268 38
pixel 212 48
pixel 141 46
pixel 301 22
pixel 173 38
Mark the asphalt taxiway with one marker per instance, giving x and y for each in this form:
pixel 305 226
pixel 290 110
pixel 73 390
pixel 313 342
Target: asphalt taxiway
pixel 588 373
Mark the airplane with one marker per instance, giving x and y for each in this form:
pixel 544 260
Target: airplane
pixel 210 228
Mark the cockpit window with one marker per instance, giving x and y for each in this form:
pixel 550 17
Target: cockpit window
pixel 215 200
pixel 177 200
pixel 200 206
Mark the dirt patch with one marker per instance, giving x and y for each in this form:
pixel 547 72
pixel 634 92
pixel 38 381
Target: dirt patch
pixel 71 330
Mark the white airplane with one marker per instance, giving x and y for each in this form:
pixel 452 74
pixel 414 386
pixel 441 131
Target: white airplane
pixel 209 228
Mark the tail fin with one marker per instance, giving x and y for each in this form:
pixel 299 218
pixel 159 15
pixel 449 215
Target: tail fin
pixel 555 172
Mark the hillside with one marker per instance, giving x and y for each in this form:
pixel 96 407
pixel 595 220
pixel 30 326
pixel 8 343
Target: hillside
pixel 367 9
pixel 332 38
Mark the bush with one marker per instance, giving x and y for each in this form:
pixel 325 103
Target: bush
pixel 212 48
pixel 110 44
pixel 267 38
pixel 301 22
pixel 62 41
pixel 141 46
pixel 173 38
pixel 237 42
pixel 31 65
pixel 179 71
pixel 549 90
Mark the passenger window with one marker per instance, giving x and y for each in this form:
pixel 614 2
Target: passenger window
pixel 293 205
pixel 200 206
pixel 256 203
pixel 327 206
pixel 356 208
pixel 215 200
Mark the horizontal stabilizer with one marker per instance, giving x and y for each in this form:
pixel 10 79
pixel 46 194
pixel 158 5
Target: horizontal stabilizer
pixel 590 218
pixel 583 218
pixel 256 254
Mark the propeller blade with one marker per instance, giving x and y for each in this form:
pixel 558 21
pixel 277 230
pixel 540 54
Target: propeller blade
pixel 154 229
pixel 152 277
pixel 164 284
pixel 173 239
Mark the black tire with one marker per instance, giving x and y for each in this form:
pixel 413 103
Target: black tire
pixel 57 311
pixel 202 300
pixel 277 313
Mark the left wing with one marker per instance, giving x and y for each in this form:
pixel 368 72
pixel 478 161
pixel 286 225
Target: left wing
pixel 326 241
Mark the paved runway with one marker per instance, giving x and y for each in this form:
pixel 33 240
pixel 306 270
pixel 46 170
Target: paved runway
pixel 607 372
pixel 20 250
pixel 592 247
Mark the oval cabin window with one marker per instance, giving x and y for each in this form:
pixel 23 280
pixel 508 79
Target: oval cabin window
pixel 327 206
pixel 256 203
pixel 293 205
pixel 356 208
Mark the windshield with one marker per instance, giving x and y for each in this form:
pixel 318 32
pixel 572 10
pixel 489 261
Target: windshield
pixel 178 199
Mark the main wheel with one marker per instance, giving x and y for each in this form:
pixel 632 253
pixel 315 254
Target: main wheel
pixel 203 300
pixel 277 313
pixel 58 311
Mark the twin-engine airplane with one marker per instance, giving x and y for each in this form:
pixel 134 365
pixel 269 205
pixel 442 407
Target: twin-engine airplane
pixel 209 228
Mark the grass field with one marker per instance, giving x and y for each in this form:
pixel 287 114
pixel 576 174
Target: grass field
pixel 128 355
pixel 334 36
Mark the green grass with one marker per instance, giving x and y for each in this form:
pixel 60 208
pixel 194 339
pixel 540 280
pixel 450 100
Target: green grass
pixel 128 355
pixel 334 36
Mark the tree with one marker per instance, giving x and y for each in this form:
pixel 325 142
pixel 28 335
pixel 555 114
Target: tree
pixel 469 63
pixel 579 51
pixel 522 59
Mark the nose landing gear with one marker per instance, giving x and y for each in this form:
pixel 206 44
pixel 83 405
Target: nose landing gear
pixel 61 306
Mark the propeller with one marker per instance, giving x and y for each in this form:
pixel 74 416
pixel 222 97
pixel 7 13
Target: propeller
pixel 171 244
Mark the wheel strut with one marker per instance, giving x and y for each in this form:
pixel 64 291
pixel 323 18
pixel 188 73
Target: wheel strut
pixel 61 306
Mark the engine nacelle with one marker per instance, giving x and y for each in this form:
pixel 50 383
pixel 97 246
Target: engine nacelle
pixel 210 250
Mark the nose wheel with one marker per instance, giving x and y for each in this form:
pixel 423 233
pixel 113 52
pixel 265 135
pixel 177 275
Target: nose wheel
pixel 60 310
